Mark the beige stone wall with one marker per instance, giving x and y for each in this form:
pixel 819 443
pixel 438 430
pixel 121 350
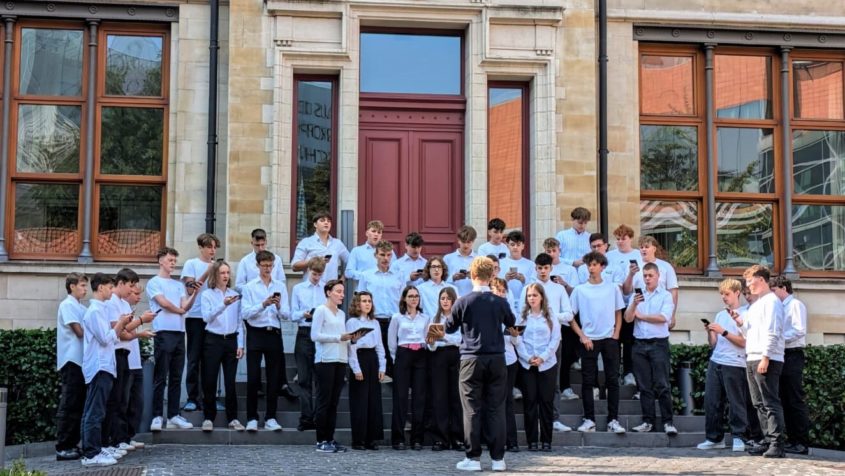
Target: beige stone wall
pixel 752 12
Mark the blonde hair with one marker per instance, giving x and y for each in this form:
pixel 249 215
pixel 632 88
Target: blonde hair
pixel 544 304
pixel 730 285
pixel 481 268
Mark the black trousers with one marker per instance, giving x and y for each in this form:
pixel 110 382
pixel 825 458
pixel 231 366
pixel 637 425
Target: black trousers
pixel 135 407
pixel 329 376
pixel 626 341
pixel 71 404
pixel 195 332
pixel 118 429
pixel 169 362
pixel 725 383
pixel 219 351
pixel 537 398
pixel 384 324
pixel 304 352
pixel 484 380
pixel 94 413
pixel 609 351
pixel 365 412
pixel 765 393
pixel 510 415
pixel 262 343
pixel 409 371
pixel 446 404
pixel 754 433
pixel 652 370
pixel 283 371
pixel 568 354
pixel 793 398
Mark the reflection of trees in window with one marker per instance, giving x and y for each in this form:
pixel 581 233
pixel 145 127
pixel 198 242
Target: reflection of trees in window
pixel 48 139
pixel 668 158
pixel 313 195
pixel 675 226
pixel 131 141
pixel 133 66
pixel 744 234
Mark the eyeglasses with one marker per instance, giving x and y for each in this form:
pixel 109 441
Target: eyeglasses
pixel 266 266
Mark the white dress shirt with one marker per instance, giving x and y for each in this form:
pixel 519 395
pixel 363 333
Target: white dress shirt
pixel 195 268
pixel 68 346
pixel 597 305
pixel 430 295
pixel 326 331
pixel 406 330
pixel 312 247
pixel 610 273
pixel 556 298
pixel 304 297
pixel 762 327
pixel 491 249
pixel 252 307
pixel 173 290
pixel 794 323
pixel 573 245
pixel 406 265
pixel 657 302
pixel 567 272
pixel 363 258
pixel 386 288
pixel 523 266
pixel 100 339
pixel 370 341
pixel 667 280
pixel 538 340
pixel 248 270
pixel 455 261
pixel 117 307
pixel 726 352
pixel 219 318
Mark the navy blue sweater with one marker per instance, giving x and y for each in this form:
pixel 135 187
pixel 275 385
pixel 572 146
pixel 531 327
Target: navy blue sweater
pixel 480 316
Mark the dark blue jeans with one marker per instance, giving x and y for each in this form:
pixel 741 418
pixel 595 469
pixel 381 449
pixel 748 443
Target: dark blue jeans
pixel 725 383
pixel 94 413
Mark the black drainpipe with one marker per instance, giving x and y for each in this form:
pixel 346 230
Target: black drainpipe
pixel 212 117
pixel 603 117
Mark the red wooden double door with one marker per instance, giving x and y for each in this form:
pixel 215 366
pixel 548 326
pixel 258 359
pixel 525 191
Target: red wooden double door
pixel 410 173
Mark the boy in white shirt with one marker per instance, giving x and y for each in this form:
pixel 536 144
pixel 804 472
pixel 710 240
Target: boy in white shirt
pixel 322 244
pixel 624 253
pixel 574 242
pixel 247 269
pixel 69 365
pixel 385 284
pixel 599 304
pixel 516 269
pixel 195 275
pixel 495 240
pixel 363 257
pixel 98 368
pixel 564 274
pixel 458 262
pixel 567 276
pixel 410 266
pixel 304 298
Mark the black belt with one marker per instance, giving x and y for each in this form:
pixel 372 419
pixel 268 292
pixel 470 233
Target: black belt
pixel 268 329
pixel 652 341
pixel 232 335
pixel 366 349
pixel 121 351
pixel 304 330
pixel 793 350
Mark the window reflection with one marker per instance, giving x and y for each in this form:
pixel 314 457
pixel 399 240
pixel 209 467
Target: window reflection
pixel 675 226
pixel 505 156
pixel 746 160
pixel 51 62
pixel 668 158
pixel 819 162
pixel 422 64
pixel 743 87
pixel 819 243
pixel 133 65
pixel 46 218
pixel 667 85
pixel 314 148
pixel 744 234
pixel 131 142
pixel 817 89
pixel 129 220
pixel 48 138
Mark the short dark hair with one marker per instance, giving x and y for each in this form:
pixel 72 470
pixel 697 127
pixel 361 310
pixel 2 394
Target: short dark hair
pixel 264 255
pixel 414 239
pixel 543 259
pixel 652 267
pixel 258 234
pixel 330 285
pixel 101 279
pixel 496 224
pixel 580 213
pixel 127 275
pixel 781 281
pixel 162 252
pixel 595 257
pixel 597 236
pixel 516 236
pixel 467 233
pixel 493 258
pixel 207 239
pixel 73 279
pixel 320 214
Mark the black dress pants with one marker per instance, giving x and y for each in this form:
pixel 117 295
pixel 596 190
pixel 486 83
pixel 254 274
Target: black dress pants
pixel 794 400
pixel 262 342
pixel 71 404
pixel 447 412
pixel 409 371
pixel 219 351
pixel 329 376
pixel 537 397
pixel 365 410
pixel 484 379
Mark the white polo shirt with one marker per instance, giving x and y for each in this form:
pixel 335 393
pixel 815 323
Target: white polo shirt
pixel 68 346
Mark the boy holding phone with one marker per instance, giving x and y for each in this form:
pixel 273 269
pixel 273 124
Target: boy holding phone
pixel 363 257
pixel 305 297
pixel 495 244
pixel 410 266
pixel 516 269
pixel 385 283
pixel 247 270
pixel 458 262
pixel 564 274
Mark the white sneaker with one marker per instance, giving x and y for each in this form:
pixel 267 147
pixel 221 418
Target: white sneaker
pixel 738 445
pixel 156 425
pixel 636 396
pixel 613 426
pixel 499 465
pixel 559 426
pixel 671 430
pixel 101 459
pixel 629 379
pixel 568 394
pixel 114 452
pixel 517 394
pixel 252 425
pixel 587 425
pixel 642 427
pixel 387 379
pixel 710 445
pixel 137 444
pixel 207 425
pixel 180 422
pixel 125 447
pixel 576 365
pixel 469 465
pixel 236 425
pixel 272 425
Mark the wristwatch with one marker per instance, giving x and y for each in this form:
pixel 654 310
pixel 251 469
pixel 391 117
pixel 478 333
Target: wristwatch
pixel 725 333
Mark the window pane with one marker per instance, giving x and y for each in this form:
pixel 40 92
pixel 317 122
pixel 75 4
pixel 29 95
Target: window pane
pixel 425 64
pixel 819 162
pixel 819 232
pixel 817 89
pixel 314 132
pixel 743 87
pixel 746 160
pixel 130 220
pixel 744 234
pixel 133 65
pixel 675 226
pixel 46 218
pixel 668 158
pixel 48 138
pixel 131 142
pixel 505 162
pixel 51 62
pixel 666 85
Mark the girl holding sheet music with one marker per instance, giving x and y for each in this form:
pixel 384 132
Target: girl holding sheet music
pixel 443 365
pixel 367 365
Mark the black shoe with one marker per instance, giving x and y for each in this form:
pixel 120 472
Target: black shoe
pixel 437 446
pixel 399 446
pixel 416 446
pixel 796 449
pixel 533 447
pixel 512 448
pixel 338 447
pixel 547 447
pixel 261 393
pixel 68 455
pixel 359 447
pixel 756 449
pixel 305 426
pixel 288 393
pixel 371 446
pixel 458 445
pixel 775 451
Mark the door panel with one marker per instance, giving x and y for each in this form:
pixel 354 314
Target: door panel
pixel 385 160
pixel 438 158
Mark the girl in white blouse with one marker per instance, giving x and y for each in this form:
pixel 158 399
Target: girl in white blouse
pixel 443 368
pixel 406 341
pixel 537 351
pixel 367 365
pixel 328 331
pixel 500 288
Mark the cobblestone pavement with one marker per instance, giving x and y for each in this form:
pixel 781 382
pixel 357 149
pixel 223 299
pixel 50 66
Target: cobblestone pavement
pixel 181 460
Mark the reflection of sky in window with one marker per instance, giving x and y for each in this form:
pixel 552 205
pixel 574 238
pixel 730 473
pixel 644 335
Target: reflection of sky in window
pixel 502 95
pixel 392 63
pixel 147 48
